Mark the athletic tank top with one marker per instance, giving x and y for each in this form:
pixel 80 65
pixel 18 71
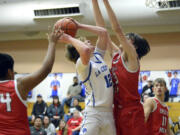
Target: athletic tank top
pixel 158 119
pixel 13 110
pixel 125 83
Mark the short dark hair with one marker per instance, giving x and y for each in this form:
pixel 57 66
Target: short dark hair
pixel 39 117
pixel 6 62
pixel 72 54
pixel 140 43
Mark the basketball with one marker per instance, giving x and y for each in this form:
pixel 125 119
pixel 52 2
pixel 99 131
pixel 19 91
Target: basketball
pixel 67 25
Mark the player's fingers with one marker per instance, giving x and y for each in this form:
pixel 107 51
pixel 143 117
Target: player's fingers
pixel 49 29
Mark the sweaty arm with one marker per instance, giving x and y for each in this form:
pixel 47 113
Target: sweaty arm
pixel 27 83
pixel 100 22
pixel 148 108
pixel 127 46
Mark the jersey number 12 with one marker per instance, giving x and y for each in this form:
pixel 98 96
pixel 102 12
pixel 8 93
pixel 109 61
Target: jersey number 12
pixel 108 80
pixel 7 101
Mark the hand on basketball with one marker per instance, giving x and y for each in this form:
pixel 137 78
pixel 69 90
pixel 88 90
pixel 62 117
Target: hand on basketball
pixel 54 36
pixel 64 38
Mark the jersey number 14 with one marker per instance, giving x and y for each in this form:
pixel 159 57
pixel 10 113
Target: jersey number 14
pixel 6 101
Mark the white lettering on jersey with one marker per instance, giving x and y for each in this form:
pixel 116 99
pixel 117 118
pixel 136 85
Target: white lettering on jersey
pixel 7 101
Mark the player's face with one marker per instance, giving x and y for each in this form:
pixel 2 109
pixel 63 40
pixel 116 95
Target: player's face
pixel 159 89
pixel 88 43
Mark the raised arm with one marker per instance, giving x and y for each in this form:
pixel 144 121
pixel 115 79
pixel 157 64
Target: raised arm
pixel 148 108
pixel 84 49
pixel 100 22
pixel 127 46
pixel 27 83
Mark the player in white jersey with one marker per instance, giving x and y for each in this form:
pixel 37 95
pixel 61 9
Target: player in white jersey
pixel 93 71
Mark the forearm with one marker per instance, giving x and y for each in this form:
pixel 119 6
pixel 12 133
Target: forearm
pixel 48 60
pixel 93 29
pixel 97 14
pixel 112 16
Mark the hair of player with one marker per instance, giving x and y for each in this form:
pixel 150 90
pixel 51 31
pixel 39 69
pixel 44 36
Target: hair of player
pixel 71 53
pixel 6 62
pixel 140 43
pixel 160 80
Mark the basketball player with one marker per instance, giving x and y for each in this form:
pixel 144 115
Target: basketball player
pixel 156 112
pixel 128 111
pixel 13 93
pixel 94 73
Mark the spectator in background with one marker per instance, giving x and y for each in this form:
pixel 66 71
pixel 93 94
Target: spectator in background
pixel 148 88
pixel 62 129
pixel 48 126
pixel 75 106
pixel 55 111
pixel 37 128
pixel 145 96
pixel 39 108
pixel 74 91
pixel 74 124
pixel 55 84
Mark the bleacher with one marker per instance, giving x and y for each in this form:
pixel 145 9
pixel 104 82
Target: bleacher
pixel 66 109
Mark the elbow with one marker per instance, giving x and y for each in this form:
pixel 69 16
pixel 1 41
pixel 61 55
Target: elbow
pixel 104 33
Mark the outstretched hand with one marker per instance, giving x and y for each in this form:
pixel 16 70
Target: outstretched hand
pixel 54 35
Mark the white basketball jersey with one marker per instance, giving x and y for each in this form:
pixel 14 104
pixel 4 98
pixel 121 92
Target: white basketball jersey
pixel 97 79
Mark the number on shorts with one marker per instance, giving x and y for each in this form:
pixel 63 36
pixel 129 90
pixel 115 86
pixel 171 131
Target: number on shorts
pixel 108 80
pixel 7 101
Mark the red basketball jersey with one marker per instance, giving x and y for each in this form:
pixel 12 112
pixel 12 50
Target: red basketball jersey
pixel 125 83
pixel 158 119
pixel 13 110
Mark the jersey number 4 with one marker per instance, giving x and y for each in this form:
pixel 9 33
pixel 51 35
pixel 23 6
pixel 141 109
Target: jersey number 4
pixel 6 101
pixel 108 80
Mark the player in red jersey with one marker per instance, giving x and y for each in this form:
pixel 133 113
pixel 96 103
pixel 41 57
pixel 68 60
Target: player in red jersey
pixel 156 112
pixel 13 93
pixel 128 111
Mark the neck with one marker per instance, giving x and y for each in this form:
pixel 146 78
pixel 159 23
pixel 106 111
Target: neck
pixel 161 98
pixel 46 125
pixel 37 128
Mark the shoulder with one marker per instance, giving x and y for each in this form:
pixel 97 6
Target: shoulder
pixel 80 66
pixel 150 102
